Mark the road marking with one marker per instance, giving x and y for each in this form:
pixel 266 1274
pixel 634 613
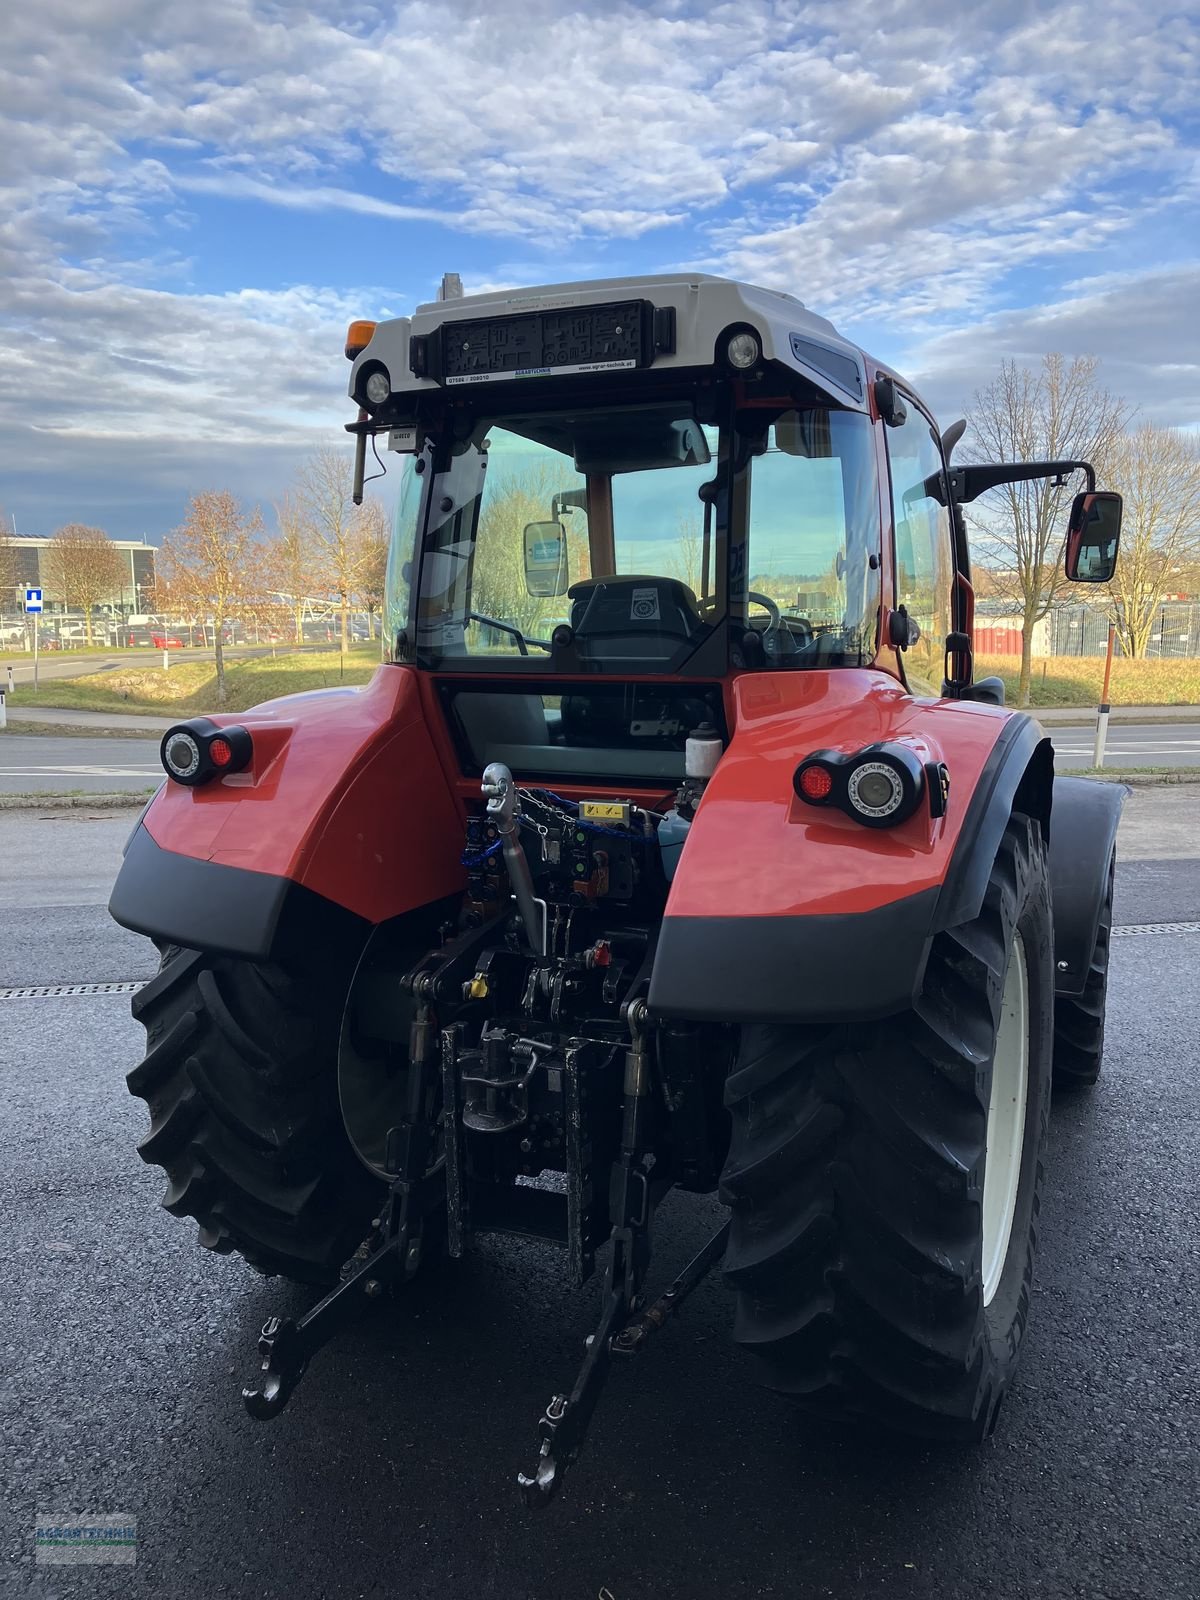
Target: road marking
pixel 60 991
pixel 1156 927
pixel 79 772
pixel 1130 749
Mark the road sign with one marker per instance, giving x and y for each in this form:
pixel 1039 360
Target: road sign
pixel 33 599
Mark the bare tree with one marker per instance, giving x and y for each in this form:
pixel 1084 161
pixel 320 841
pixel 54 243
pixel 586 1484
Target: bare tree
pixel 373 535
pixel 1157 471
pixel 335 526
pixel 212 564
pixel 10 566
pixel 292 561
pixel 1058 411
pixel 498 586
pixel 85 569
pixel 690 544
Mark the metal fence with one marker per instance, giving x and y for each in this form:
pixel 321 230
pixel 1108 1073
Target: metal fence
pixel 66 630
pixel 1083 630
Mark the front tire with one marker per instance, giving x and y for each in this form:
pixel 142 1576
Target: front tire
pixel 864 1249
pixel 240 1080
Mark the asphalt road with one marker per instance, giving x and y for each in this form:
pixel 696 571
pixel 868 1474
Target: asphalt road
pixel 41 763
pixel 391 1472
pixel 34 763
pixel 1130 744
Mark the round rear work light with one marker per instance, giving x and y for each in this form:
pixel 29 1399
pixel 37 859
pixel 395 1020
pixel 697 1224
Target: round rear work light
pixel 181 756
pixel 875 790
pixel 743 351
pixel 883 784
pixel 379 387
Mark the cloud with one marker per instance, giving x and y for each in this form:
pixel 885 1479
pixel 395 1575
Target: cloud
pixel 910 166
pixel 319 197
pixel 1140 323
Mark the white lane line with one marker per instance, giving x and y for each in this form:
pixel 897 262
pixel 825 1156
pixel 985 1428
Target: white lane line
pixel 1155 927
pixel 78 772
pixel 1132 749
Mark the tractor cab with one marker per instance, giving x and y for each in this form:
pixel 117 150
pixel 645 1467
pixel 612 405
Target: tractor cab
pixel 613 503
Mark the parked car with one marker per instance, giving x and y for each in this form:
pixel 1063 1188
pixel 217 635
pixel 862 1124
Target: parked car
pixel 166 641
pixel 133 638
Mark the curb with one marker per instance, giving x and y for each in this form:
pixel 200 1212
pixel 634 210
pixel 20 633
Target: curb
pixel 1139 780
pixel 1081 717
pixel 75 802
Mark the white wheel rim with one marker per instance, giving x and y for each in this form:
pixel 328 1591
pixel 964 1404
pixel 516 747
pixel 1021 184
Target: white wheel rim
pixel 1006 1120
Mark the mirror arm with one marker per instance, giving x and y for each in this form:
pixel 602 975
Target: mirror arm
pixel 968 483
pixel 504 627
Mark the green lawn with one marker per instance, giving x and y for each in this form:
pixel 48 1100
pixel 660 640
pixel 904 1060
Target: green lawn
pixel 187 688
pixel 1077 680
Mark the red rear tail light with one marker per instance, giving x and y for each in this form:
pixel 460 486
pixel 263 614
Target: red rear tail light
pixel 814 782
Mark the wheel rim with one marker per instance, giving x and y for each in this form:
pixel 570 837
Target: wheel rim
pixel 1006 1120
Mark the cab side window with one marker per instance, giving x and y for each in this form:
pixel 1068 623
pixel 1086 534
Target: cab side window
pixel 924 552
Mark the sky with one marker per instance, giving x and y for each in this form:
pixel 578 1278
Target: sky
pixel 195 200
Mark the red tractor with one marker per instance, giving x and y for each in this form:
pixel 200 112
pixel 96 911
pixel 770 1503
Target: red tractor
pixel 675 847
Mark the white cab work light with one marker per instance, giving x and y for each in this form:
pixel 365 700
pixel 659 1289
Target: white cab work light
pixel 743 351
pixel 379 387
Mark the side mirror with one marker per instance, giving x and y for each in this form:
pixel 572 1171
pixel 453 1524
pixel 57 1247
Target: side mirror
pixel 546 568
pixel 1093 536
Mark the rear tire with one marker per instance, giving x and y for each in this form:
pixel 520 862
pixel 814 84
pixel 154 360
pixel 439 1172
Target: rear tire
pixel 1079 1019
pixel 856 1180
pixel 241 1083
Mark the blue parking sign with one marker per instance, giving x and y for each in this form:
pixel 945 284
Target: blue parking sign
pixel 33 599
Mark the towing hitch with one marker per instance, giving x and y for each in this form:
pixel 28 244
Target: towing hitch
pixel 565 1421
pixel 424 1179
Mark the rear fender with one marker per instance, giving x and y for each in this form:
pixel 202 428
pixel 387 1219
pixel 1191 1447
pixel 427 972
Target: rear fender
pixel 1083 835
pixel 779 911
pixel 343 820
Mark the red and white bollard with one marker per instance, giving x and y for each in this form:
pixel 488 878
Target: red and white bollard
pixel 1102 714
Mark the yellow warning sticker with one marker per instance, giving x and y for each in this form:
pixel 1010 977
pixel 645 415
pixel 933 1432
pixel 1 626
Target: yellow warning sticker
pixel 604 810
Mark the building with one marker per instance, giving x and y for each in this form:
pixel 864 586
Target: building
pixel 134 594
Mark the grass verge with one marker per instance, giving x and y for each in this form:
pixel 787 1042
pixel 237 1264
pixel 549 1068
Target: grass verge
pixel 188 688
pixel 69 730
pixel 1078 680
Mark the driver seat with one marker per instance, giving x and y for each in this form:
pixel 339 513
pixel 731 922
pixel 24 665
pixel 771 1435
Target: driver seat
pixel 643 618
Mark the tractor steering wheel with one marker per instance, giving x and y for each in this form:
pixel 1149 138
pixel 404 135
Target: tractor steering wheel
pixel 776 639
